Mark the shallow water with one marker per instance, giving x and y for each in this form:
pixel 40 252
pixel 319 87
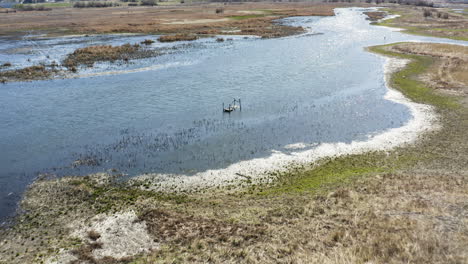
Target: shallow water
pixel 163 115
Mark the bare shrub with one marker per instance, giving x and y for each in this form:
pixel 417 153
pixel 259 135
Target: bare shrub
pixel 427 13
pixel 149 3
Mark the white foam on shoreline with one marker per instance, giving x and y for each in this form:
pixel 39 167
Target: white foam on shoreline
pixel 423 119
pixel 391 28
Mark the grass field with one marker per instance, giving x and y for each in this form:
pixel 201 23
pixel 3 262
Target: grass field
pixel 412 19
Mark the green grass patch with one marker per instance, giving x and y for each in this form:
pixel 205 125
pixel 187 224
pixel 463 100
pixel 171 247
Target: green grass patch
pixel 330 171
pixel 405 81
pixel 246 16
pixel 115 196
pixel 265 11
pixel 451 30
pixel 417 31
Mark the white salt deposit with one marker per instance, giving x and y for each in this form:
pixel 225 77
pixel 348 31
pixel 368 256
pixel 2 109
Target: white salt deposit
pixel 121 235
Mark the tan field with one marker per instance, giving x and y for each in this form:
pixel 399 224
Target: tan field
pixel 249 19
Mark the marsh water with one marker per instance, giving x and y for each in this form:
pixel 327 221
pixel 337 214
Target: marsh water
pixel 163 114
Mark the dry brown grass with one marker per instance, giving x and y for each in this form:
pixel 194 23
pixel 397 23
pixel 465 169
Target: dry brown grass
pixel 374 16
pixel 89 55
pixel 392 218
pixel 160 19
pixel 450 72
pixel 37 72
pixel 180 229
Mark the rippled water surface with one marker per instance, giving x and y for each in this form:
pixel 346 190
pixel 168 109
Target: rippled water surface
pixel 164 114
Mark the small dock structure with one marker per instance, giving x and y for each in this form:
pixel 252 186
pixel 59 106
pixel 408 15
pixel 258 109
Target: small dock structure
pixel 234 105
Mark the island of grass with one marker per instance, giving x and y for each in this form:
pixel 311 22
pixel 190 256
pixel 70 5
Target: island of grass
pixel 177 37
pixel 89 55
pixel 31 73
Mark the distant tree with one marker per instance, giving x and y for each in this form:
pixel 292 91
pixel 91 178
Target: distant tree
pixel 149 3
pixel 427 13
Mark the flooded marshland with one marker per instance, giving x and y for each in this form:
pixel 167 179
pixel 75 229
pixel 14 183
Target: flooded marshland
pixel 163 114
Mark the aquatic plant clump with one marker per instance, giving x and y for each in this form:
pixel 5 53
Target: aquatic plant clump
pixel 147 42
pixel 36 72
pixel 375 16
pixel 89 55
pixel 177 37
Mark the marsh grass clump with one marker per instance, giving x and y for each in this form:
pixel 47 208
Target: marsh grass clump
pixel 36 72
pixel 178 37
pixel 89 55
pixel 374 16
pixel 147 42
